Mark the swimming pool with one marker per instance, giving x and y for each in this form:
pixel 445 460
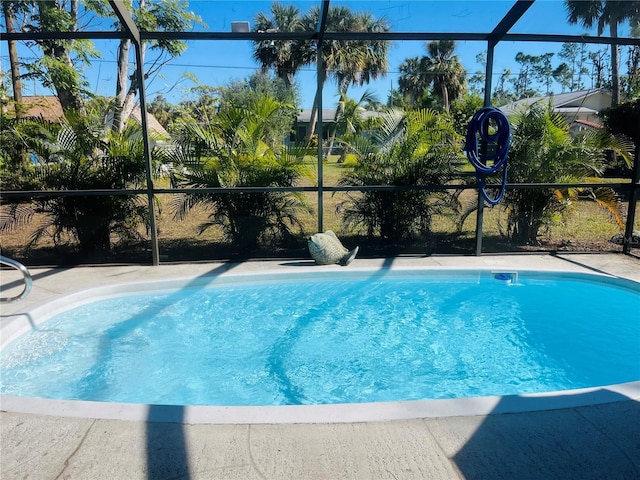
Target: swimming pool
pixel 396 332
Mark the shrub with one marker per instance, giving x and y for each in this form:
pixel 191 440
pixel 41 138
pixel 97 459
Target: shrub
pixel 415 148
pixel 231 152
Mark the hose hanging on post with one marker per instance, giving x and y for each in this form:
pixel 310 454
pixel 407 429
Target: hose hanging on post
pixel 479 127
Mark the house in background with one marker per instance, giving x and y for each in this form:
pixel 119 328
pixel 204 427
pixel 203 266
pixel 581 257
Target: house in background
pixel 580 109
pixel 154 125
pixel 45 107
pixel 302 123
pixel 48 108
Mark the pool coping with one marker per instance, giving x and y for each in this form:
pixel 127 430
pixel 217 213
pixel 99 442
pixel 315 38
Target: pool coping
pixel 337 413
pixel 334 413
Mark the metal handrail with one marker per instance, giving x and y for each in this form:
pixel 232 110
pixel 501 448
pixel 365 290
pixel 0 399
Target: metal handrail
pixel 28 281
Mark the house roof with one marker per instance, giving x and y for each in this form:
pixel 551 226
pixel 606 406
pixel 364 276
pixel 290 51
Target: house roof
pixel 154 125
pixel 570 102
pixel 575 110
pixel 329 115
pixel 588 123
pixel 48 107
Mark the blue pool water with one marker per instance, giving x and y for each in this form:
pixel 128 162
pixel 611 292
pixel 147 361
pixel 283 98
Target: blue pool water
pixel 353 337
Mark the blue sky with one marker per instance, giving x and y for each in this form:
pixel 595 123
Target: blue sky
pixel 544 16
pixel 218 62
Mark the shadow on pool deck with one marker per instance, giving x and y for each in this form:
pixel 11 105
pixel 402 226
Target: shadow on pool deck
pixel 166 447
pixel 599 441
pixel 167 455
pixel 594 442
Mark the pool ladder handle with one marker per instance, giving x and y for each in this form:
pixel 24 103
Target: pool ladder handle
pixel 28 281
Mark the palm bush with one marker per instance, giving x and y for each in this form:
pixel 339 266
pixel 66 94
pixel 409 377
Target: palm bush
pixel 82 154
pixel 415 148
pixel 231 151
pixel 543 151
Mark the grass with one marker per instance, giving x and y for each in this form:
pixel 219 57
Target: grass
pixel 587 228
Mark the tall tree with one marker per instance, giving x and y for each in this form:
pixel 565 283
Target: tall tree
pixel 285 57
pixel 544 71
pixel 563 74
pixel 606 13
pixel 598 68
pixel 16 82
pixel 61 64
pixel 60 67
pixel 413 80
pixel 348 62
pixel 631 83
pixel 168 15
pixel 523 83
pixel 477 80
pixel 502 94
pixel 445 71
pixel 576 56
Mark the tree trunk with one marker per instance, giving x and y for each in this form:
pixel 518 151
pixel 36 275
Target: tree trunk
pixel 121 84
pixel 126 96
pixel 314 111
pixel 313 120
pixel 16 82
pixel 445 97
pixel 125 99
pixel 68 92
pixel 615 64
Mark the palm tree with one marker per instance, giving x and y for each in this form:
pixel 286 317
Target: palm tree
pixel 347 61
pixel 350 119
pixel 410 148
pixel 609 13
pixel 543 151
pixel 413 81
pixel 285 57
pixel 370 62
pixel 445 71
pixel 231 151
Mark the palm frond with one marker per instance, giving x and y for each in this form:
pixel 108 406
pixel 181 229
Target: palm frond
pixel 14 216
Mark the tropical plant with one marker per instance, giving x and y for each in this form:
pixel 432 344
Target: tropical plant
pixel 244 93
pixel 624 119
pixel 413 81
pixel 285 57
pixel 440 68
pixel 231 152
pixel 351 119
pixel 445 71
pixel 543 151
pixel 606 13
pixel 410 149
pixel 347 61
pixel 79 154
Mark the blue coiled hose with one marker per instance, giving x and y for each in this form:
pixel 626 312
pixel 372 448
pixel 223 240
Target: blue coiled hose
pixel 478 127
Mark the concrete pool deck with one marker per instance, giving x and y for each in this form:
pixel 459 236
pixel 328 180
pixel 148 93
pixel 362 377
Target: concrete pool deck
pixel 592 441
